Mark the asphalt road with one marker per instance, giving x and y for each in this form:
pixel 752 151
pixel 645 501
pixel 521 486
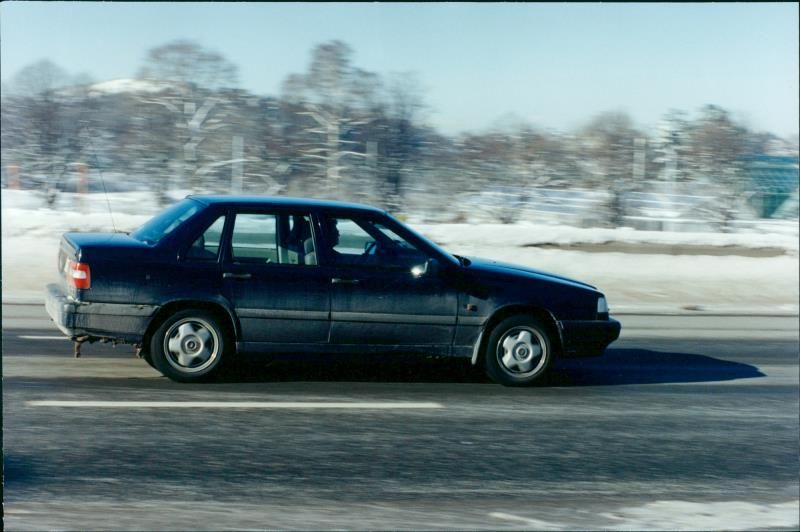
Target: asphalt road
pixel 677 431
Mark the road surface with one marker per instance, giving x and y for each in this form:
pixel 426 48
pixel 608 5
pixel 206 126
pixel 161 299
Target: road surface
pixel 682 424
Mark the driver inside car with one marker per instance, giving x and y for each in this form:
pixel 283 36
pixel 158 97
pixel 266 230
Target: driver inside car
pixel 330 234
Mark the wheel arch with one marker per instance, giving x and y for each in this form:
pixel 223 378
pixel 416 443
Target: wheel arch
pixel 539 313
pixel 224 313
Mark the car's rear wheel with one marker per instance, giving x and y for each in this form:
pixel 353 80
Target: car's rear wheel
pixel 518 351
pixel 188 346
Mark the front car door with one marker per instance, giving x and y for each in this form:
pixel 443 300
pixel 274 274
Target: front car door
pixel 385 291
pixel 271 275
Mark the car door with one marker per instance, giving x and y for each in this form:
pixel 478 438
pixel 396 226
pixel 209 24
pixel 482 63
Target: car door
pixel 198 270
pixel 380 291
pixel 271 275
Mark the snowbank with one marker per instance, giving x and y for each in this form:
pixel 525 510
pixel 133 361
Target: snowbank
pixel 684 515
pixel 529 235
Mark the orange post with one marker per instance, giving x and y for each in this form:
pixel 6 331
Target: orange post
pixel 83 179
pixel 13 176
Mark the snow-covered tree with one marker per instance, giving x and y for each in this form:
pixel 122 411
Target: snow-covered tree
pixel 191 80
pixel 717 145
pixel 671 144
pixel 336 98
pixel 609 141
pixel 38 131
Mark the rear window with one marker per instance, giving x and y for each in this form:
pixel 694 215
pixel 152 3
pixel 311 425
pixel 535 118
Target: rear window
pixel 163 224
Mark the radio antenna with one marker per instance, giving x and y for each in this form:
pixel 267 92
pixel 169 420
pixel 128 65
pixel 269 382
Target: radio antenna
pixel 103 181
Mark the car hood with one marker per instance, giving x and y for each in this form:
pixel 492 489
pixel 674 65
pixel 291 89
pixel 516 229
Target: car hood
pixel 495 267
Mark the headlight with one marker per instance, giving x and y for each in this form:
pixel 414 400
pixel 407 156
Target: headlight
pixel 602 306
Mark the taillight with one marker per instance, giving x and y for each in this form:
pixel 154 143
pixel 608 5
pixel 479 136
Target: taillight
pixel 79 275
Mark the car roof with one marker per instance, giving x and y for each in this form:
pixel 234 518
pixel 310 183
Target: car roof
pixel 281 201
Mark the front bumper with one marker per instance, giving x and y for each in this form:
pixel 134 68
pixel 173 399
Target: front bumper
pixel 588 338
pixel 76 319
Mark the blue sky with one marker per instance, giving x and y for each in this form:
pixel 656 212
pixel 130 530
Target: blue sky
pixel 554 65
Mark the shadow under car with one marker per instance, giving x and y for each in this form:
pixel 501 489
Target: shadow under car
pixel 615 367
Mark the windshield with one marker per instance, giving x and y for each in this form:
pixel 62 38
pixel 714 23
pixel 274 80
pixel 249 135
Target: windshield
pixel 163 224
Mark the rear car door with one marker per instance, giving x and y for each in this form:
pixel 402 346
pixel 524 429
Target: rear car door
pixel 272 277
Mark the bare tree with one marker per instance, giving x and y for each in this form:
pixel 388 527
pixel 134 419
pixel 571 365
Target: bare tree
pixel 717 145
pixel 187 63
pixel 396 135
pixel 337 99
pixel 38 117
pixel 39 79
pixel 191 79
pixel 609 142
pixel 671 144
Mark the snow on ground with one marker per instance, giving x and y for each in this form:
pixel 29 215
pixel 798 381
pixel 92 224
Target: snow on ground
pixel 31 232
pixel 527 234
pixel 683 515
pixel 116 86
pixel 677 515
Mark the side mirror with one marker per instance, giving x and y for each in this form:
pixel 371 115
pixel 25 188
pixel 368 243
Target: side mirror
pixel 423 269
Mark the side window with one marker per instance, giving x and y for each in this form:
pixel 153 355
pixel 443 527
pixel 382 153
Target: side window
pixel 353 239
pixel 273 239
pixel 254 238
pixel 362 242
pixel 206 247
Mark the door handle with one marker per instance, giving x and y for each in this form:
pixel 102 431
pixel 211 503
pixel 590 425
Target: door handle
pixel 336 280
pixel 229 275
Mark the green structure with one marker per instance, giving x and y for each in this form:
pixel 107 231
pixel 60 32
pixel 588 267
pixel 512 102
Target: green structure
pixel 773 181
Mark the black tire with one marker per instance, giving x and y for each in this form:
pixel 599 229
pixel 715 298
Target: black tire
pixel 189 346
pixel 518 351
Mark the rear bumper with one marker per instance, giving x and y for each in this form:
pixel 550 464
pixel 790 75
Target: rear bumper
pixel 122 322
pixel 588 338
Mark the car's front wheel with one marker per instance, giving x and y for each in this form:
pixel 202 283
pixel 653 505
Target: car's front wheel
pixel 518 351
pixel 188 346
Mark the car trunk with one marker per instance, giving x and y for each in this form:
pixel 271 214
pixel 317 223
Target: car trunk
pixel 82 256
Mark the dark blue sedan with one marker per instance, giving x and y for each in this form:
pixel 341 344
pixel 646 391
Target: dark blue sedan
pixel 215 277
